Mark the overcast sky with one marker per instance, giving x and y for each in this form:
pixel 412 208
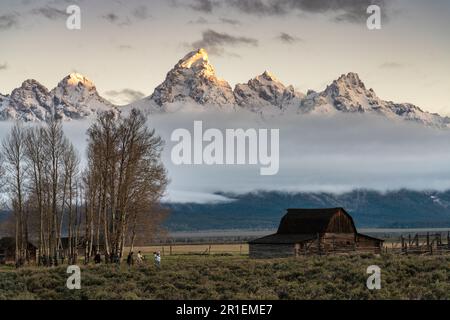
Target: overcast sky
pixel 127 47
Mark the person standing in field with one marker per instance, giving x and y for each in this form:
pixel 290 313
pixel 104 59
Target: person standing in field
pixel 158 259
pixel 97 258
pixel 140 258
pixel 130 259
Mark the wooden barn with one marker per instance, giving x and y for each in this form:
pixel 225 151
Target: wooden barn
pixel 314 231
pixel 8 250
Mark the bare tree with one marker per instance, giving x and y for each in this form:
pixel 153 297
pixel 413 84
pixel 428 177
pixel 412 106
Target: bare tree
pixel 56 144
pixel 125 178
pixel 2 173
pixel 36 160
pixel 71 164
pixel 13 149
pixel 115 202
pixel 52 167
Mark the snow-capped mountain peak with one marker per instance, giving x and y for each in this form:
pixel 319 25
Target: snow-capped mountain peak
pixel 31 95
pixel 347 84
pixel 351 79
pixel 30 86
pixel 349 94
pixel 193 80
pixel 196 60
pixel 75 97
pixel 75 85
pixel 30 102
pixel 269 76
pixel 266 94
pixel 76 80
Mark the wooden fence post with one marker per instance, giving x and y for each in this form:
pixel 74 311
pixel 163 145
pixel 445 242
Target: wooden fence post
pixel 448 239
pixel 318 244
pixel 403 243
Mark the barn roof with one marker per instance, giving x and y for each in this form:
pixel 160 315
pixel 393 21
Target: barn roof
pixel 7 242
pixel 10 243
pixel 300 225
pixel 309 221
pixel 369 237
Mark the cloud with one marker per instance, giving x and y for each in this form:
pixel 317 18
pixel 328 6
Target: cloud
pixel 141 13
pixel 391 65
pixel 287 38
pixel 332 154
pixel 215 42
pixel 202 5
pixel 195 197
pixel 125 96
pixel 113 18
pixel 343 10
pixel 8 21
pixel 317 153
pixel 49 12
pixel 259 7
pixel 203 21
pixel 232 22
pixel 125 47
pixel 200 20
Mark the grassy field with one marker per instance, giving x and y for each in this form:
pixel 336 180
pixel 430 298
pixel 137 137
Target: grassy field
pixel 237 277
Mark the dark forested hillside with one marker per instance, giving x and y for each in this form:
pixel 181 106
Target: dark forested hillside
pixel 370 209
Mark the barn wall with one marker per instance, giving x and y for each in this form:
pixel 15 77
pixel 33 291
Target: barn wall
pixel 10 254
pixel 367 244
pixel 340 223
pixel 329 244
pixel 261 251
pixel 2 256
pixel 335 241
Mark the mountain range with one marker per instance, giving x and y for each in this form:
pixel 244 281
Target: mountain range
pixel 193 85
pixel 75 97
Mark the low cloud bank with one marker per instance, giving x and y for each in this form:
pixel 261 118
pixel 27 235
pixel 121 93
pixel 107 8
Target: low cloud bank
pixel 333 154
pixel 327 153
